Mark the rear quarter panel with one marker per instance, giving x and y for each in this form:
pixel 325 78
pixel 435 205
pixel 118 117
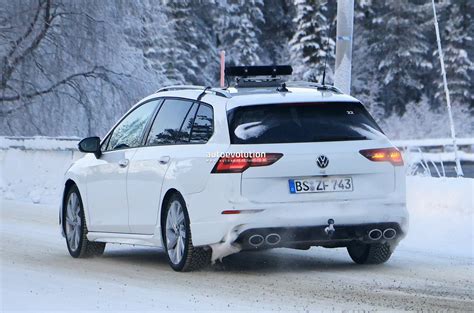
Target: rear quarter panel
pixel 191 165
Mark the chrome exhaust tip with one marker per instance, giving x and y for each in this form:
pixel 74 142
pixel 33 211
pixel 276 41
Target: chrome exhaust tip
pixel 375 234
pixel 273 239
pixel 256 240
pixel 389 233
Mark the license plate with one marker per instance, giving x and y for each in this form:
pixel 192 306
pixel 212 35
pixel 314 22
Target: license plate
pixel 321 184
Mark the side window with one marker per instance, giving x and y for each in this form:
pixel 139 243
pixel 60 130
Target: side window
pixel 185 133
pixel 166 128
pixel 128 134
pixel 203 126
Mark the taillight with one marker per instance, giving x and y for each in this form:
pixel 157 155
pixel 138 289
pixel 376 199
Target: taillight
pixel 391 155
pixel 238 164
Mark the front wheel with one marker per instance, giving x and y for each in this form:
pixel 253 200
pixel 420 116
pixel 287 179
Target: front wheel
pixel 182 255
pixel 75 228
pixel 373 253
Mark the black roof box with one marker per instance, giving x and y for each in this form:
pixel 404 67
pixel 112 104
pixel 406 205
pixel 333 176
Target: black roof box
pixel 267 70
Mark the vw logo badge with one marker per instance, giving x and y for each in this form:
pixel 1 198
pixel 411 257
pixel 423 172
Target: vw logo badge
pixel 322 161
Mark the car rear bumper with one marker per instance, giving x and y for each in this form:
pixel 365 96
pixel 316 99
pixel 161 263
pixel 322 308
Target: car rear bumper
pixel 306 219
pixel 306 236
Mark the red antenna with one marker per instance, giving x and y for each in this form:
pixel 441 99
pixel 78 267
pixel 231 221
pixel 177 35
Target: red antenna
pixel 222 68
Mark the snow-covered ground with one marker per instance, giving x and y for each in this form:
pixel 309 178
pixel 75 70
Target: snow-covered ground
pixel 433 268
pixel 441 216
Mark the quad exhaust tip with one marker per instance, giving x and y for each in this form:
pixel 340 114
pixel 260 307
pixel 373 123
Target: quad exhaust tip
pixel 273 239
pixel 375 234
pixel 389 233
pixel 256 240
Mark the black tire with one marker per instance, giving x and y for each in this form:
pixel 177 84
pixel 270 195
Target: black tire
pixel 85 248
pixel 193 258
pixel 373 253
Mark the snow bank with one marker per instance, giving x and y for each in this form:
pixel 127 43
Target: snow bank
pixel 441 215
pixel 32 169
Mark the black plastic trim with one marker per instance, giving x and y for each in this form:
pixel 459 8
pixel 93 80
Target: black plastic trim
pixel 316 235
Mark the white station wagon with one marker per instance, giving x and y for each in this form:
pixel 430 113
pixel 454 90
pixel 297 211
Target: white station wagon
pixel 206 172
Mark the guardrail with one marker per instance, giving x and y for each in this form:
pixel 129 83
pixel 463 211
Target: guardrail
pixel 435 157
pixel 436 145
pixel 70 143
pixel 39 143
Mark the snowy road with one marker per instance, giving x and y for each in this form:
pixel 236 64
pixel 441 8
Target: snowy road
pixel 37 274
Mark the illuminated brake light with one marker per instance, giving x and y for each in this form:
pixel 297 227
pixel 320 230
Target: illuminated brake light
pixel 392 155
pixel 238 164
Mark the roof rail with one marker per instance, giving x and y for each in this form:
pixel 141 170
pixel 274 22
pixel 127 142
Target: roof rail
pixel 180 87
pixel 313 85
pixel 216 91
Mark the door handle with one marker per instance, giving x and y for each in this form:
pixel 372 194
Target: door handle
pixel 123 163
pixel 164 159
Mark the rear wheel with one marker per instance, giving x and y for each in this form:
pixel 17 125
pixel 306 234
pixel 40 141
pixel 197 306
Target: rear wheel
pixel 182 255
pixel 373 253
pixel 75 228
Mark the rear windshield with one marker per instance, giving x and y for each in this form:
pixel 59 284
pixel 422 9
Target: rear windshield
pixel 301 122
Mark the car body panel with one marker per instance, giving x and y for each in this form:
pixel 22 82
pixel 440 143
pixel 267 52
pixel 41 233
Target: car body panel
pixel 260 194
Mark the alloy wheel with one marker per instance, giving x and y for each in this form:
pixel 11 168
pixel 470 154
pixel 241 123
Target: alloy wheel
pixel 73 222
pixel 175 232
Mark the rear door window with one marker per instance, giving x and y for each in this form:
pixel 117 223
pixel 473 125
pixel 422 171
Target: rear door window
pixel 166 128
pixel 185 133
pixel 301 122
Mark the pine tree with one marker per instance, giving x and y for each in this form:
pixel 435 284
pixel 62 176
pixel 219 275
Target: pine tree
pixel 240 30
pixel 402 54
pixel 154 37
pixel 366 79
pixel 311 41
pixel 456 30
pixel 196 56
pixel 277 31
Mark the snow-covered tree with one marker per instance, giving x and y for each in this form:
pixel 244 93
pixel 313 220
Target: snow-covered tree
pixel 154 37
pixel 195 53
pixel 239 31
pixel 420 120
pixel 366 78
pixel 401 53
pixel 276 31
pixel 457 39
pixel 91 60
pixel 311 41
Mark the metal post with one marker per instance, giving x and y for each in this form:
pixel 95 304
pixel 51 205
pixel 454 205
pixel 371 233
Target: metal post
pixel 345 24
pixel 222 69
pixel 446 91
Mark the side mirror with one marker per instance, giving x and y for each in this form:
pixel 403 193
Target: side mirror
pixel 90 145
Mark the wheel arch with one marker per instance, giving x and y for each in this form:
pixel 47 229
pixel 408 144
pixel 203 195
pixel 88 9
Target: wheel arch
pixel 166 197
pixel 68 184
pixel 169 193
